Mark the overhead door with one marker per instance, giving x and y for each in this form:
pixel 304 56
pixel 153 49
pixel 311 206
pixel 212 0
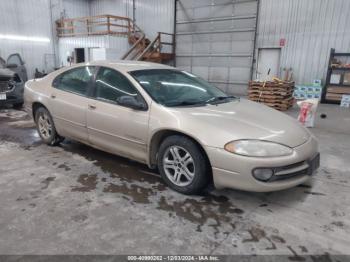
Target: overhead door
pixel 215 40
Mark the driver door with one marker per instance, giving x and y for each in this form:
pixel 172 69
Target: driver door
pixel 69 100
pixel 112 127
pixel 16 64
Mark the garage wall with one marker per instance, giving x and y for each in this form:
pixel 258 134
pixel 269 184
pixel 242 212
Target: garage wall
pixel 33 18
pixel 215 40
pixel 311 28
pixel 27 18
pixel 112 7
pixel 73 8
pixel 116 45
pixel 151 16
pixel 154 16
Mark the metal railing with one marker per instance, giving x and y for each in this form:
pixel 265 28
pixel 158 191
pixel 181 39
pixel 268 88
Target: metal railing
pixel 157 46
pixel 94 25
pixel 141 48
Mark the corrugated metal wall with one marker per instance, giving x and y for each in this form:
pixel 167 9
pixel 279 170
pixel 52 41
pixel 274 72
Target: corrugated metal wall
pixel 35 18
pixel 215 40
pixel 311 28
pixel 111 7
pixel 154 16
pixel 32 18
pixel 151 16
pixel 75 8
pixel 29 18
pixel 119 45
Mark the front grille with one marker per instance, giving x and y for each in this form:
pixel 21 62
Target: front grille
pixel 304 168
pixel 6 86
pixel 292 171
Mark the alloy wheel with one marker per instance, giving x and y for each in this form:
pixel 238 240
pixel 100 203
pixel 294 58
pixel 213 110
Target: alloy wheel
pixel 45 125
pixel 179 166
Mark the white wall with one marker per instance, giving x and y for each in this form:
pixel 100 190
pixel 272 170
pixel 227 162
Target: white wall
pixel 35 18
pixel 151 16
pixel 111 7
pixel 29 18
pixel 311 28
pixel 154 16
pixel 119 45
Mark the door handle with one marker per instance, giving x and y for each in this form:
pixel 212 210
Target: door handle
pixel 53 96
pixel 92 107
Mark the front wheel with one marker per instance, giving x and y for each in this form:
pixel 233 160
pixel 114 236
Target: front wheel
pixel 46 127
pixel 183 165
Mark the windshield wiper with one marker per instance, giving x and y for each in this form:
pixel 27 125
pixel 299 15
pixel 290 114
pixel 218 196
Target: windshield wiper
pixel 185 103
pixel 219 98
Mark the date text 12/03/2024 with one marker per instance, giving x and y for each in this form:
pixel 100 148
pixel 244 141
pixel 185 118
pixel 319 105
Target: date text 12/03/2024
pixel 173 258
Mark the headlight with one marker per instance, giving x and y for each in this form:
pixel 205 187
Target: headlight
pixel 258 148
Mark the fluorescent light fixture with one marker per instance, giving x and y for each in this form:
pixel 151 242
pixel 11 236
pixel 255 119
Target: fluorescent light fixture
pixel 25 38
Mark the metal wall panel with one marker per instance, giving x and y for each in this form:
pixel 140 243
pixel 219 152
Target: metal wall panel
pixel 215 40
pixel 155 16
pixel 68 44
pixel 311 28
pixel 151 16
pixel 111 7
pixel 34 18
pixel 29 18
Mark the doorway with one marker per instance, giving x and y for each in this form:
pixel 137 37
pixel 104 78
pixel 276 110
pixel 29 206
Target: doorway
pixel 79 55
pixel 268 63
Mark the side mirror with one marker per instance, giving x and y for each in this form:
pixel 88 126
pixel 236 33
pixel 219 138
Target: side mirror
pixel 11 66
pixel 131 102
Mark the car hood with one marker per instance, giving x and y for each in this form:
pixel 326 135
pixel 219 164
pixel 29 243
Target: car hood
pixel 242 119
pixel 6 73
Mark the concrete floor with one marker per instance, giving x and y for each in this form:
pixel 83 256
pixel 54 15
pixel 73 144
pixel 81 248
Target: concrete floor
pixel 73 199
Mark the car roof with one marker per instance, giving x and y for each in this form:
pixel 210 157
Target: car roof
pixel 127 66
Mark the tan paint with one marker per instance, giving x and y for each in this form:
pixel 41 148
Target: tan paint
pixel 128 132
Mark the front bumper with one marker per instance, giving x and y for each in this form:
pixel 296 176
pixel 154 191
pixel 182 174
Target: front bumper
pixel 14 96
pixel 234 171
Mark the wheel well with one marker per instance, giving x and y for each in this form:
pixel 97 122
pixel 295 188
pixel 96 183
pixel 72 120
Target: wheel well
pixel 35 107
pixel 159 137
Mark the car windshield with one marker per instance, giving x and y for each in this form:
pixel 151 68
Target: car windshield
pixel 178 88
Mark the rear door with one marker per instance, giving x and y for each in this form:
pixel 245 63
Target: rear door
pixel 16 64
pixel 69 101
pixel 114 128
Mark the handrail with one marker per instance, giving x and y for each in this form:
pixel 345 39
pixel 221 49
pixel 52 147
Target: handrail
pixel 117 25
pixel 148 48
pixel 134 46
pixel 94 25
pixel 156 45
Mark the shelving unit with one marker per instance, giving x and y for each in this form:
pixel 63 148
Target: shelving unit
pixel 338 79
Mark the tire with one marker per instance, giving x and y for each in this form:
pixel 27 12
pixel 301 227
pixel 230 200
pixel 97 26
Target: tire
pixel 18 105
pixel 46 127
pixel 182 165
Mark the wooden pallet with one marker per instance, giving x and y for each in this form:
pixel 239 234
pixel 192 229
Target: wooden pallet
pixel 275 94
pixel 270 93
pixel 272 100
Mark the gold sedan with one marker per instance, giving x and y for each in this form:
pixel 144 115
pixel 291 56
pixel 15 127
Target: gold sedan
pixel 192 131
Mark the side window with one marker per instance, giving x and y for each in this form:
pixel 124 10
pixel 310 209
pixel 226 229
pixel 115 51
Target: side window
pixel 14 59
pixel 111 85
pixel 76 80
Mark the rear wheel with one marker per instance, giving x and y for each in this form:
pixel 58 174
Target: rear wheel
pixel 46 127
pixel 182 165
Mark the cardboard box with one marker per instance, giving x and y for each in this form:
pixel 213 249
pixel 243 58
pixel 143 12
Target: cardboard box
pixel 302 92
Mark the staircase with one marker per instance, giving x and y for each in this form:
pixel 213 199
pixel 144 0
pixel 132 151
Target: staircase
pixel 160 50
